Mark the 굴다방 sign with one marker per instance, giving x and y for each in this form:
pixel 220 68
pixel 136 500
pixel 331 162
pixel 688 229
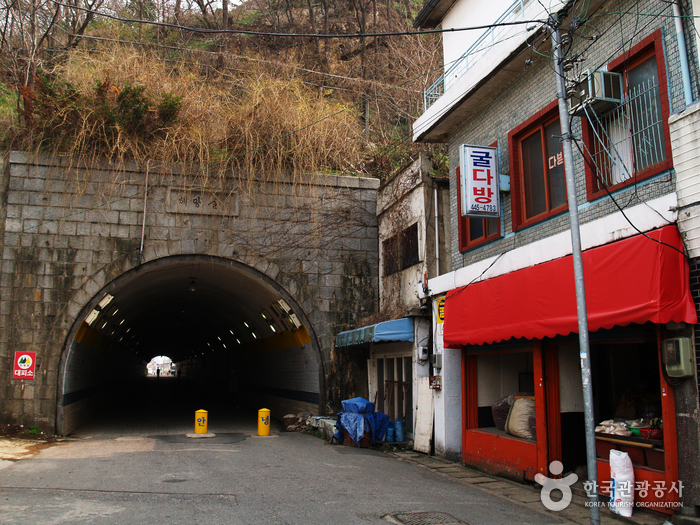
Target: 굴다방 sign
pixel 479 181
pixel 25 365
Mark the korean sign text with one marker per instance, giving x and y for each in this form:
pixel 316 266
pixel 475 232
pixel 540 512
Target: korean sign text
pixel 479 181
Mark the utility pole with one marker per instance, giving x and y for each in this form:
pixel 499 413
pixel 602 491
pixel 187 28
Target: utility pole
pixel 589 417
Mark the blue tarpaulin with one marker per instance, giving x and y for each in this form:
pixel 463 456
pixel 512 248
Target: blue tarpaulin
pixel 359 425
pixel 358 405
pixel 396 330
pixel 360 419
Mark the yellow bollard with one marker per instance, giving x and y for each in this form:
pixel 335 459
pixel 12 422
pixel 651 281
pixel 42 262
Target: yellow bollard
pixel 263 422
pixel 201 419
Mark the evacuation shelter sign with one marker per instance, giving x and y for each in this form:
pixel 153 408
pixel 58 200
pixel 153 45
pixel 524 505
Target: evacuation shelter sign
pixel 25 365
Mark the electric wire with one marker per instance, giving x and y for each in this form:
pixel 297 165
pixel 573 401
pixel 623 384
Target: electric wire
pixel 594 169
pixel 226 160
pixel 292 35
pixel 320 120
pixel 608 193
pixel 229 159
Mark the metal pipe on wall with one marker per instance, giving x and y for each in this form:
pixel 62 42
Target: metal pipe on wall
pixel 682 53
pixel 437 233
pixel 143 224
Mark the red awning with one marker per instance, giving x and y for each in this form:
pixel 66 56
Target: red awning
pixel 635 280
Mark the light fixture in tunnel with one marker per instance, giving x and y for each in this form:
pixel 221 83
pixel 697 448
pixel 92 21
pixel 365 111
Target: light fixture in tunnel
pixel 272 327
pixel 265 315
pixel 245 323
pixel 192 287
pixel 92 317
pixel 283 304
pixel 295 320
pixel 114 312
pixel 105 301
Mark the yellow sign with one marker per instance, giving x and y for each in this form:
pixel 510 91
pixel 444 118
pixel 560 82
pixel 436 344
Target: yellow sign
pixel 441 310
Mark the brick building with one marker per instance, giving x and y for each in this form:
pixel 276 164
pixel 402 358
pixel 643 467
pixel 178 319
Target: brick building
pixel 510 323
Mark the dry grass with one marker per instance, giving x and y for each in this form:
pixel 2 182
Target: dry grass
pixel 253 123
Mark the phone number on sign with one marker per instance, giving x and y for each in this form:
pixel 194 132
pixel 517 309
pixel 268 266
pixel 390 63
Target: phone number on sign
pixel 484 207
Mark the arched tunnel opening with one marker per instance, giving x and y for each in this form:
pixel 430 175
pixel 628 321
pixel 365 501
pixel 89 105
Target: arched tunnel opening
pixel 237 341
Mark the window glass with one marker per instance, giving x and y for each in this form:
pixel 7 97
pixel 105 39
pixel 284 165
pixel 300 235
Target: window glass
pixel 389 390
pixel 408 374
pixel 630 140
pixel 409 246
pixel 379 406
pixel 533 176
pixel 645 114
pixel 555 165
pixel 476 228
pixel 391 255
pixel 492 227
pixel 401 250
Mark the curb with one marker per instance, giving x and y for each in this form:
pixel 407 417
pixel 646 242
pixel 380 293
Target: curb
pixel 523 494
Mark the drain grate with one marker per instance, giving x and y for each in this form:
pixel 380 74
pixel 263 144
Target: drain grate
pixel 424 518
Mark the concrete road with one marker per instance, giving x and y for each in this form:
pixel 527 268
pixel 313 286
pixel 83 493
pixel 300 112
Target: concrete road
pixel 238 478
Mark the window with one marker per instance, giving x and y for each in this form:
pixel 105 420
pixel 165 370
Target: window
pixel 401 250
pixel 393 389
pixel 474 231
pixel 631 141
pixel 537 161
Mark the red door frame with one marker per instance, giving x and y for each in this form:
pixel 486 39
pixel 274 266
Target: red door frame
pixel 551 369
pixel 669 475
pixel 495 452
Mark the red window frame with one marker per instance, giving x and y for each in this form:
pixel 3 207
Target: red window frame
pixel 463 230
pixel 650 46
pixel 542 118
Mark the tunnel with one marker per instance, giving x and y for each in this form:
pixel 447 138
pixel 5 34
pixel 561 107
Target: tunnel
pixel 237 339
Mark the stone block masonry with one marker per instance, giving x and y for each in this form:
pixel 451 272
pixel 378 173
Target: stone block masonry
pixel 66 232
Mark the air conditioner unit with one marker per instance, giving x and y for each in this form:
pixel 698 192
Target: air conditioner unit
pixel 596 93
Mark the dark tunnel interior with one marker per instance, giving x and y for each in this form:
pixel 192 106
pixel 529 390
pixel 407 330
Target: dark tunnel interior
pixel 235 336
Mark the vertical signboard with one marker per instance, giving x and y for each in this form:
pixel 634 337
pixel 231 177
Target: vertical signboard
pixel 479 184
pixel 25 365
pixel 440 310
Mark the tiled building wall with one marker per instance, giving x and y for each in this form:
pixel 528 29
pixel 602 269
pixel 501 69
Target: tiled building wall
pixel 535 88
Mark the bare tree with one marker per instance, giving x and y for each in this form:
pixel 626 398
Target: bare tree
pixel 78 20
pixel 34 20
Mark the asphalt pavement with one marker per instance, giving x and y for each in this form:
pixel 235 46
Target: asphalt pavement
pixel 131 472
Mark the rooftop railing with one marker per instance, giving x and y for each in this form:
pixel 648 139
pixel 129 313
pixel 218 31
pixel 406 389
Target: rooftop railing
pixel 477 50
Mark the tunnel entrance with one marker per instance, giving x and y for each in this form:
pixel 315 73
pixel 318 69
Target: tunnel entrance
pixel 234 337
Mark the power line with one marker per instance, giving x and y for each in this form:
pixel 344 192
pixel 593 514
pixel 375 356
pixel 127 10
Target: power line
pixel 239 57
pixel 232 157
pixel 292 35
pixel 594 169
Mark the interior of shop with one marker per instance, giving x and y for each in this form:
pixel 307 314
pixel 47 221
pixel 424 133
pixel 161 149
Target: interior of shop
pixel 626 390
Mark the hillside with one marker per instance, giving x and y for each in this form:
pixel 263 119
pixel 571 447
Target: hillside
pixel 257 101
